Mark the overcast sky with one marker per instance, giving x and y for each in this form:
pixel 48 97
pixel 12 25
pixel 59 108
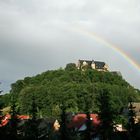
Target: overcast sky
pixel 38 35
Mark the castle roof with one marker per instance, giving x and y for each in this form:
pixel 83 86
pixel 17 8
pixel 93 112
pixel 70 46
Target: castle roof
pixel 99 64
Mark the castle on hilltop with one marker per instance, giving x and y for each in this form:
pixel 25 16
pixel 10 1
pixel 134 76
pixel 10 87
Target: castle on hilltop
pixel 97 65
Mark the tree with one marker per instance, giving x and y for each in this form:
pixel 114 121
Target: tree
pixel 88 106
pixel 89 126
pixel 54 85
pixel 13 123
pixel 106 114
pixel 31 131
pixel 70 66
pixel 131 119
pixel 1 117
pixel 63 127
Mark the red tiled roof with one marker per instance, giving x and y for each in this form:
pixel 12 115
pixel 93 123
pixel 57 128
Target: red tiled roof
pixel 5 119
pixel 23 117
pixel 80 119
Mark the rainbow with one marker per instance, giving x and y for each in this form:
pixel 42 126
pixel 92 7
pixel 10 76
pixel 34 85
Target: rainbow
pixel 109 45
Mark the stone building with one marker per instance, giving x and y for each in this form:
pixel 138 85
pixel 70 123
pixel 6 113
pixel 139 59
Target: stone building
pixel 97 65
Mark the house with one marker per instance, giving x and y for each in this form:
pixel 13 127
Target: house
pixel 136 106
pixel 44 126
pixel 5 119
pixel 56 125
pixel 136 109
pixel 78 122
pixel 97 65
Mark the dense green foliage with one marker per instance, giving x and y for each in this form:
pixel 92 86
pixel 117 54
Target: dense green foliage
pixel 106 114
pixel 72 87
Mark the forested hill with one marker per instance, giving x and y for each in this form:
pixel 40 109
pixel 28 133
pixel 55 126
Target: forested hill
pixel 70 87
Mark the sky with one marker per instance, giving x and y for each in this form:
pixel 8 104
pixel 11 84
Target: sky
pixel 41 35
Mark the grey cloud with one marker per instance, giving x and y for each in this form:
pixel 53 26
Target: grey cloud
pixel 37 35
